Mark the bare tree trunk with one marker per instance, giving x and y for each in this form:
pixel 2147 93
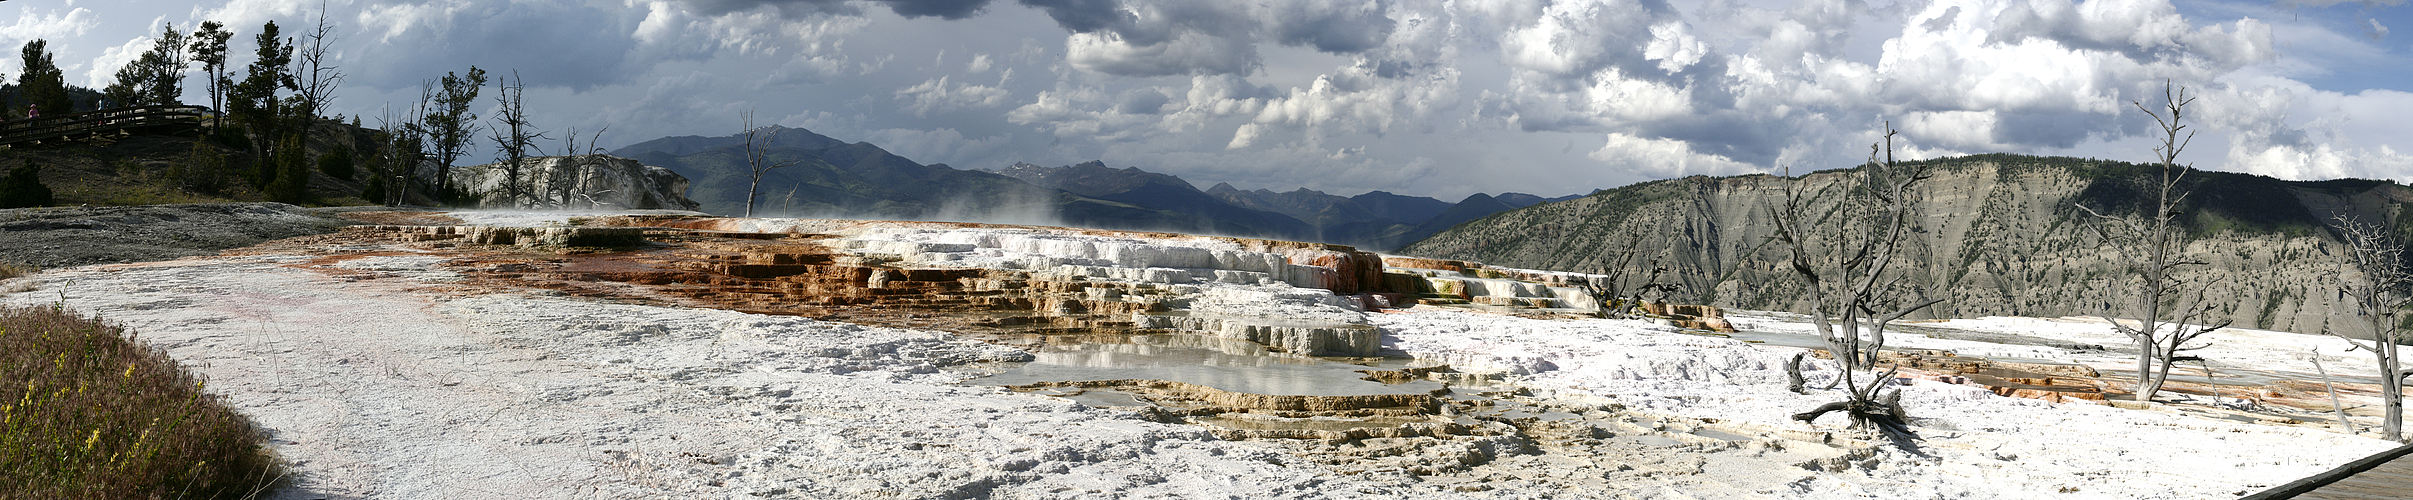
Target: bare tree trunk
pixel 513 138
pixel 758 160
pixel 2377 294
pixel 2151 245
pixel 2392 394
pixel 2147 385
pixel 318 79
pixel 1845 252
pixel 2315 357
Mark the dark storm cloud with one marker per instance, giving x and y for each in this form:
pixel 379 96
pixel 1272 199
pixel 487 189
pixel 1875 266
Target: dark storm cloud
pixel 789 8
pixel 548 44
pixel 1329 26
pixel 1086 16
pixel 1141 101
pixel 945 9
pixel 2063 128
pixel 1733 134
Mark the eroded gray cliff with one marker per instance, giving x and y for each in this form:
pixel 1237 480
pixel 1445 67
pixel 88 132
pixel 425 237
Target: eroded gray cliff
pixel 577 182
pixel 1999 235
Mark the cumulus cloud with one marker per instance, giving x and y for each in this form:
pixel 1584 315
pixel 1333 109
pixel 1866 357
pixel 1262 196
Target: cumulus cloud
pixel 945 9
pixel 1086 16
pixel 1404 94
pixel 1664 157
pixel 1673 47
pixel 937 95
pixel 53 26
pixel 1186 52
pixel 104 68
pixel 1329 26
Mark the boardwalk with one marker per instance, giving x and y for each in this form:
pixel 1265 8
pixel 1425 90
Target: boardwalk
pixel 2387 475
pixel 96 123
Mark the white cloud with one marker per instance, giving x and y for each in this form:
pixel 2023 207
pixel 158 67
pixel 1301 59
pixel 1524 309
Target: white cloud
pixel 32 24
pixel 56 28
pixel 1349 94
pixel 1187 52
pixel 1963 130
pixel 1664 157
pixel 938 95
pixel 244 17
pixel 1673 46
pixel 104 68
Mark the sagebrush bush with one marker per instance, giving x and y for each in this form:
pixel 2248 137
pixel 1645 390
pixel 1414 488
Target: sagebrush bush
pixel 203 171
pixel 22 187
pixel 12 270
pixel 87 411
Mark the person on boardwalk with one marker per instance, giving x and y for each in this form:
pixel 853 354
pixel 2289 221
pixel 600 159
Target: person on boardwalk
pixel 33 111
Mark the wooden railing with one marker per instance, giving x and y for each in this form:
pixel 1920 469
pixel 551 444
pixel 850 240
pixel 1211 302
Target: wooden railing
pixel 94 123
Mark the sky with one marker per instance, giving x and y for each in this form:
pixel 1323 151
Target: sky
pixel 1439 98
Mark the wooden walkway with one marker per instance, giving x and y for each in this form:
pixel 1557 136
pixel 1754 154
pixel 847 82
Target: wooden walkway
pixel 2387 475
pixel 96 123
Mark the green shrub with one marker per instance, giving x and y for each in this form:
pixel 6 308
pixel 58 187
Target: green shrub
pixel 88 412
pixel 22 187
pixel 289 173
pixel 203 171
pixel 230 135
pixel 374 191
pixel 337 163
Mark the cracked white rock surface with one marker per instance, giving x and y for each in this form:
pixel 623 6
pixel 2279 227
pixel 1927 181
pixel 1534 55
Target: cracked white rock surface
pixel 393 381
pixel 374 390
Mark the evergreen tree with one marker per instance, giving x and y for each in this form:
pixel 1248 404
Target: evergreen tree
pixel 209 48
pixel 41 83
pixel 292 168
pixel 450 125
pixel 254 101
pixel 155 78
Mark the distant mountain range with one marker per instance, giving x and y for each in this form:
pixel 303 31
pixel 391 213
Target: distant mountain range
pixel 833 178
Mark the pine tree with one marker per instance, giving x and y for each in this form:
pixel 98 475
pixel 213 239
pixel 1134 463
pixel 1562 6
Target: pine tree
pixel 41 84
pixel 209 48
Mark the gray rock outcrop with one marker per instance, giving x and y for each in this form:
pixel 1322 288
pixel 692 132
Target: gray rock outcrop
pixel 578 182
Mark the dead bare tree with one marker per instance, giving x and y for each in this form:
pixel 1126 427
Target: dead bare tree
pixel 513 138
pixel 2168 312
pixel 758 158
pixel 317 78
pixel 401 149
pixel 569 142
pixel 2376 294
pixel 1636 272
pixel 1844 240
pixel 565 186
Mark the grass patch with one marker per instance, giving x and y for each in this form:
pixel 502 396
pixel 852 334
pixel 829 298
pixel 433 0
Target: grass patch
pixel 13 270
pixel 87 411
